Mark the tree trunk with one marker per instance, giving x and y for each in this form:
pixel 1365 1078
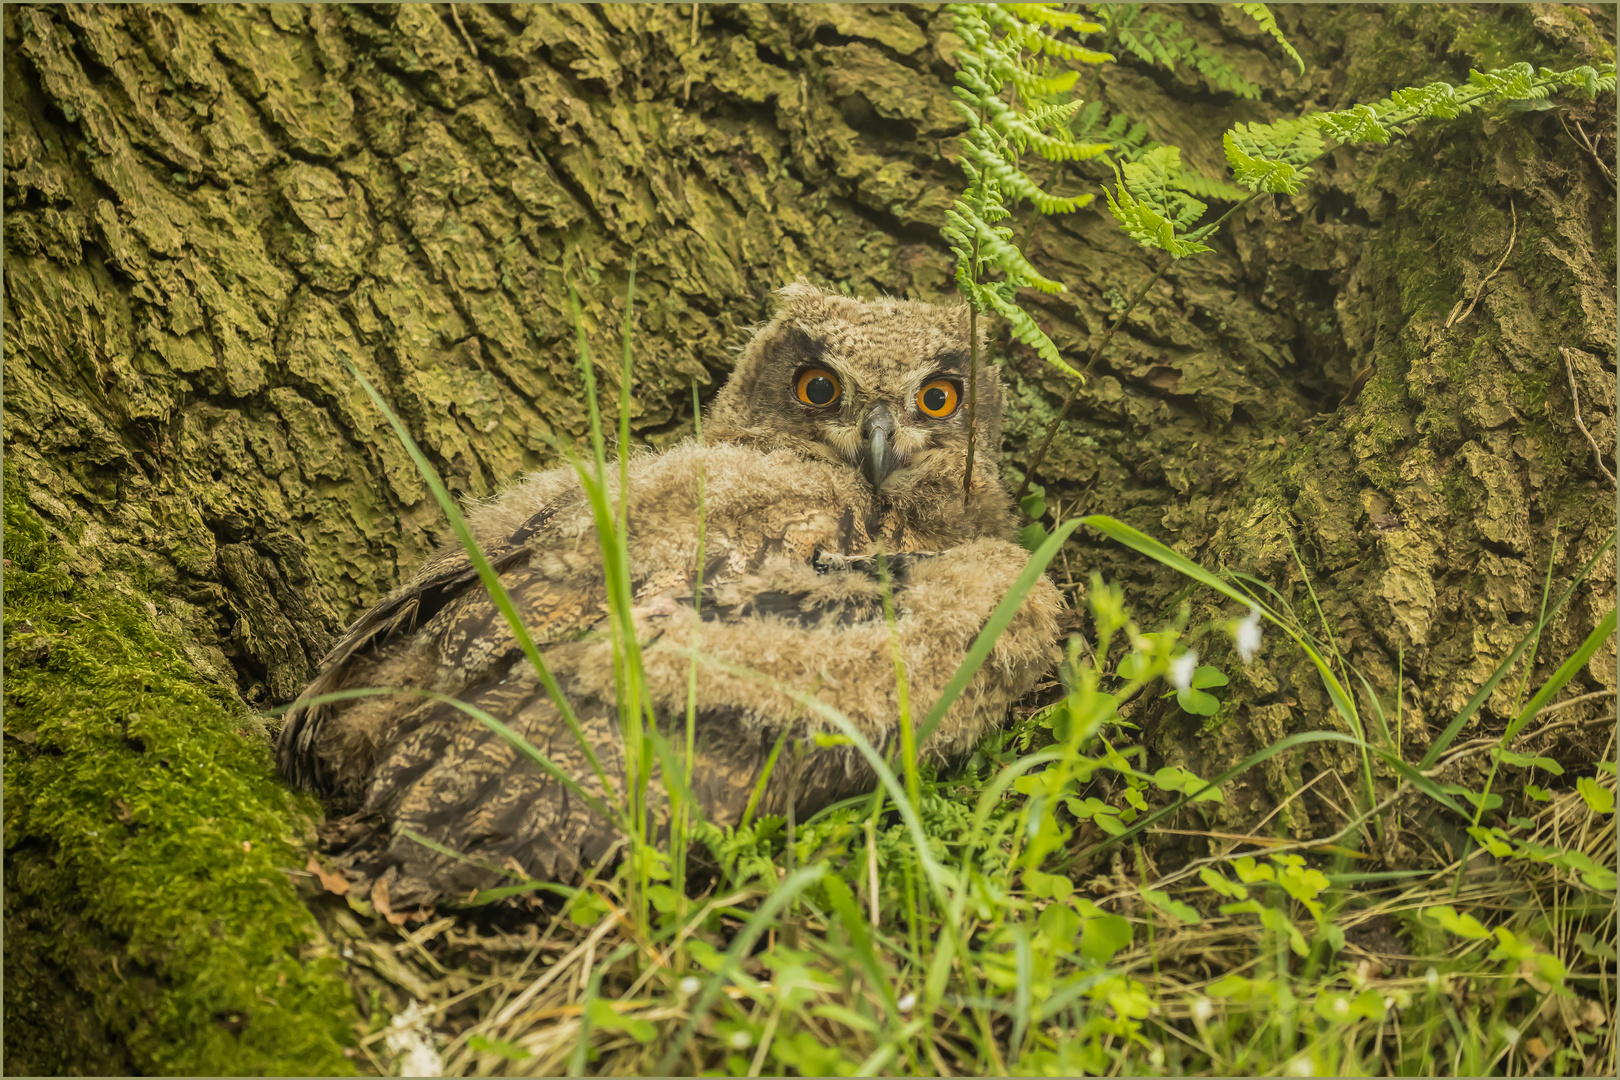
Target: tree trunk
pixel 213 212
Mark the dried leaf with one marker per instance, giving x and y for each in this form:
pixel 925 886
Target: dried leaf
pixel 330 881
pixel 379 900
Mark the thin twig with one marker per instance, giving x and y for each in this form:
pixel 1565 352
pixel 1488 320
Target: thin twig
pixel 1063 413
pixel 1589 146
pixel 1474 746
pixel 872 872
pixel 1575 400
pixel 1512 238
pixel 973 392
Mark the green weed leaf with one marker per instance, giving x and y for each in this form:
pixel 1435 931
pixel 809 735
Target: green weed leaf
pixel 1598 797
pixel 1463 926
pixel 1185 914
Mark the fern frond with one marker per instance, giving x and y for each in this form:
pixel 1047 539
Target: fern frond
pixel 1514 81
pixel 1052 148
pixel 1293 141
pixel 1153 179
pixel 1025 330
pixel 1054 16
pixel 1206 187
pixel 1590 81
pixel 1258 172
pixel 1147 201
pixel 1055 116
pixel 1357 124
pixel 1436 99
pixel 995 250
pixel 1033 87
pixel 1014 182
pixel 1272 157
pixel 1268 22
pixel 1028 37
pixel 1155 40
pixel 1147 226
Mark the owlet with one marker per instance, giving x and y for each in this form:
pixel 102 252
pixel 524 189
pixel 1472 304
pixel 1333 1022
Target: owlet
pixel 842 433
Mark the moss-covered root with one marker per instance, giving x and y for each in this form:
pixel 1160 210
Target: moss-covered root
pixel 150 922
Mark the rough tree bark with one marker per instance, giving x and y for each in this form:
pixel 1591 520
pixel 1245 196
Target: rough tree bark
pixel 211 211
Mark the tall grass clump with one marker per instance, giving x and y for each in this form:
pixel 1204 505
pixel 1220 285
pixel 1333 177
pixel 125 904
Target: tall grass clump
pixel 1014 916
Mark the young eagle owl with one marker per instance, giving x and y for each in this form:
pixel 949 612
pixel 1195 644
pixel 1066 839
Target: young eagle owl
pixel 842 431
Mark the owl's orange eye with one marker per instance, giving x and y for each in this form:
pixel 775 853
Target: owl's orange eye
pixel 938 398
pixel 818 387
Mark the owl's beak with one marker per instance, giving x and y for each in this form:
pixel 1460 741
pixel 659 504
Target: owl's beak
pixel 878 458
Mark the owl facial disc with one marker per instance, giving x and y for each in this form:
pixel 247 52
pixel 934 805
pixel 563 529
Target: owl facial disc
pixel 877 457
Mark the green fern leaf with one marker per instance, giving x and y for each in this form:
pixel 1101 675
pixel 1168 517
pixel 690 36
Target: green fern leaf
pixel 1025 330
pixel 1152 179
pixel 1268 22
pixel 1142 219
pixel 1205 187
pixel 1053 15
pixel 1259 173
pixel 1357 124
pixel 1028 37
pixel 1514 81
pixel 1437 100
pixel 1032 87
pixel 1292 141
pixel 995 250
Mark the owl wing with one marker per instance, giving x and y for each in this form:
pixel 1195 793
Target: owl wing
pixel 438 586
pixel 443 777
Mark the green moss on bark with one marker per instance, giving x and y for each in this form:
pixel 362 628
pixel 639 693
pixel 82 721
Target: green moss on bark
pixel 151 922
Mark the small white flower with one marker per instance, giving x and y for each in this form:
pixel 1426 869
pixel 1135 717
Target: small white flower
pixel 410 1037
pixel 1511 1034
pixel 689 985
pixel 907 1003
pixel 1182 668
pixel 1432 977
pixel 740 1040
pixel 1341 1007
pixel 1301 1066
pixel 422 1060
pixel 1247 634
pixel 1202 1010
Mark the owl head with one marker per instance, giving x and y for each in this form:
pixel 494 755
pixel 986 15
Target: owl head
pixel 877 386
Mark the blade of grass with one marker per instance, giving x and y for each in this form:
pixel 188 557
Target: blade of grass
pixel 1024 966
pixel 998 621
pixel 486 574
pixel 849 916
pixel 1445 738
pixel 1152 548
pixel 936 874
pixel 1423 783
pixel 1566 671
pixel 902 688
pixel 681 815
pixel 764 776
pixel 612 533
pixel 1354 716
pixel 740 946
pixel 593 990
pixel 516 741
pixel 1507 736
